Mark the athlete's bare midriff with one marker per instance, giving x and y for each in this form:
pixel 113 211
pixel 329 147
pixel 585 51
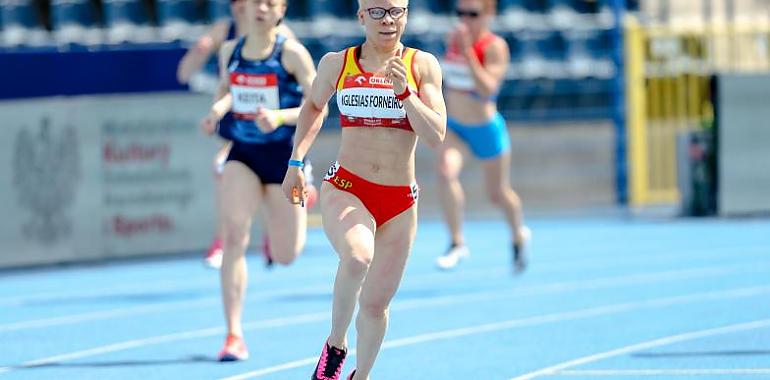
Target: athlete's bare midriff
pixel 467 109
pixel 381 155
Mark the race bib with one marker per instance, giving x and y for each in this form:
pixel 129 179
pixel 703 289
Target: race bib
pixel 371 97
pixel 250 91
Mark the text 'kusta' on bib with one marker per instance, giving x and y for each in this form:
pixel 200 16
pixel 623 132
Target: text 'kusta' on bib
pixel 251 91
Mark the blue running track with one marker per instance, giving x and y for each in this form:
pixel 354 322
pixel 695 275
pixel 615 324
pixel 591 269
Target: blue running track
pixel 606 298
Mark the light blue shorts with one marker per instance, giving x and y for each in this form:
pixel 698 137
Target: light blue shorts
pixel 486 141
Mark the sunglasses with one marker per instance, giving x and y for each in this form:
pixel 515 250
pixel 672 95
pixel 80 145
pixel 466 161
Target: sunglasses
pixel 378 13
pixel 464 13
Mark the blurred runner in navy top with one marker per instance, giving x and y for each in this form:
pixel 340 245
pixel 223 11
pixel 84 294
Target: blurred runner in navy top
pixel 265 76
pixel 199 68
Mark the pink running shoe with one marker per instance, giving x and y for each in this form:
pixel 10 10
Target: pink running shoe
pixel 330 363
pixel 213 258
pixel 234 349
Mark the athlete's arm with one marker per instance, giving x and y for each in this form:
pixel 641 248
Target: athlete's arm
pixel 310 120
pixel 286 31
pixel 489 76
pixel 225 52
pixel 313 111
pixel 426 113
pixel 199 53
pixel 223 100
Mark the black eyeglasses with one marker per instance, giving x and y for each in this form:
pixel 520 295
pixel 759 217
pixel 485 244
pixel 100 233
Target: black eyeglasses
pixel 378 13
pixel 464 13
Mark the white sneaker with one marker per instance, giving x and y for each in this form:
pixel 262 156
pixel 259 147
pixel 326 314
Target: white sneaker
pixel 450 259
pixel 213 258
pixel 214 261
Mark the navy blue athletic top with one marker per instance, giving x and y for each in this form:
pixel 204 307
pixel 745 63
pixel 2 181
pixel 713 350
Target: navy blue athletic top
pixel 259 83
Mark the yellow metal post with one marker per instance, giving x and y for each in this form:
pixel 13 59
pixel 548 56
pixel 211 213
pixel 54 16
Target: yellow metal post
pixel 635 112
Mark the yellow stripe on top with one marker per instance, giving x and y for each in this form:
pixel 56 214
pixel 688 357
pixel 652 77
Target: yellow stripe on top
pixel 350 67
pixel 408 59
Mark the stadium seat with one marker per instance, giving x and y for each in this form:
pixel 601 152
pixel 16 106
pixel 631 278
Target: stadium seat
pixel 74 21
pixel 298 9
pixel 435 7
pixel 563 14
pixel 599 44
pixel 579 59
pixel 126 20
pixel 505 5
pixel 329 8
pixel 20 23
pixel 535 6
pixel 532 63
pixel 220 10
pixel 522 14
pixel 177 18
pixel 323 13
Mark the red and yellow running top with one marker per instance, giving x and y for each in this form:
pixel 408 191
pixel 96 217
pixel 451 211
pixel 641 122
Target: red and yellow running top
pixel 367 99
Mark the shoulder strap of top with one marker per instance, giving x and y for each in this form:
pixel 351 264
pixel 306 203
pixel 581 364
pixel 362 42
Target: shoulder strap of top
pixel 236 55
pixel 481 45
pixel 349 67
pixel 409 62
pixel 232 30
pixel 280 39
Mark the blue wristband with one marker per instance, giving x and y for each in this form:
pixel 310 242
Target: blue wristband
pixel 298 163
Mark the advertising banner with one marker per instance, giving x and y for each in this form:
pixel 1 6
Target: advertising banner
pixel 107 176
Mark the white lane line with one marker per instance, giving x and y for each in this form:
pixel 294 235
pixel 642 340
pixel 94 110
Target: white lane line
pixel 665 372
pixel 646 345
pixel 428 278
pixel 422 279
pixel 265 324
pixel 190 283
pixel 149 309
pixel 532 321
pixel 556 288
pixel 174 285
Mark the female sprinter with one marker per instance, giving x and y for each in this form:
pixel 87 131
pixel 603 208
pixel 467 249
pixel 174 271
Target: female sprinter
pixel 199 68
pixel 265 75
pixel 388 96
pixel 474 68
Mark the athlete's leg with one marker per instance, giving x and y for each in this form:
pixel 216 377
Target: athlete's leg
pixel 220 159
pixel 450 191
pixel 240 198
pixel 392 246
pixel 498 187
pixel 500 193
pixel 350 229
pixel 286 225
pixel 213 258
